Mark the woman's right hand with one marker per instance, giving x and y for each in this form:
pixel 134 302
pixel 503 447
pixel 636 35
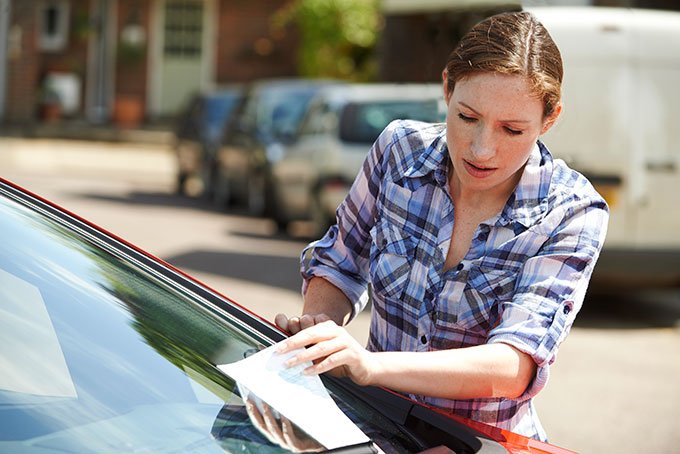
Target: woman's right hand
pixel 294 325
pixel 323 301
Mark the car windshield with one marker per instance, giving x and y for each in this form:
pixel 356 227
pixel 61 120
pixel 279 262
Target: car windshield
pixel 362 122
pixel 218 108
pixel 101 351
pixel 280 110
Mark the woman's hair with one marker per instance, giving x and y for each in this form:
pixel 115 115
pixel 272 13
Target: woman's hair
pixel 510 43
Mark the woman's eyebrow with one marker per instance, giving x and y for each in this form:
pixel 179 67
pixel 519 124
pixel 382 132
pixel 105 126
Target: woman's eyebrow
pixel 469 108
pixel 501 121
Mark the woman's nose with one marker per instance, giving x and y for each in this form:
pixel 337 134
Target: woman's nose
pixel 483 145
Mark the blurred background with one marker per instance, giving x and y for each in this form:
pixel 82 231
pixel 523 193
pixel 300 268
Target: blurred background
pixel 220 135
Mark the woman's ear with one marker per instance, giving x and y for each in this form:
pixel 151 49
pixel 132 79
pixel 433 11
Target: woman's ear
pixel 552 118
pixel 445 84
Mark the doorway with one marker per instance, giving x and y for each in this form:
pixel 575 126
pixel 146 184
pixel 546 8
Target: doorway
pixel 182 61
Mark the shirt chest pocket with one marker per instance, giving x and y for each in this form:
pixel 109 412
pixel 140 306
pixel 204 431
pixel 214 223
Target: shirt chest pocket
pixel 479 308
pixel 392 256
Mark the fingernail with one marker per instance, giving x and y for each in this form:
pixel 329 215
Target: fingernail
pixel 281 347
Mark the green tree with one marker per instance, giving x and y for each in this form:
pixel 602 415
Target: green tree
pixel 338 37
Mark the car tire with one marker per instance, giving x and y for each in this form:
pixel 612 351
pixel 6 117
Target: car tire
pixel 208 177
pixel 207 180
pixel 180 183
pixel 319 219
pixel 281 224
pixel 256 198
pixel 221 194
pixel 277 210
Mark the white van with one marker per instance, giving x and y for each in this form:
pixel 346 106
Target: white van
pixel 620 127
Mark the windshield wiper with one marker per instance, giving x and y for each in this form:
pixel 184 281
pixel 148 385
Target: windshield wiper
pixel 427 425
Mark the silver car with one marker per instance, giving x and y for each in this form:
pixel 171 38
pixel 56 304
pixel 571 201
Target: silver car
pixel 265 124
pixel 340 126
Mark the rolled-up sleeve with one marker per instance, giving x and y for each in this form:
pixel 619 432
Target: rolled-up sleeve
pixel 551 286
pixel 342 255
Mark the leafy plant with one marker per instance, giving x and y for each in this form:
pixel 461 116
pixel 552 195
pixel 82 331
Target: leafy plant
pixel 338 37
pixel 129 53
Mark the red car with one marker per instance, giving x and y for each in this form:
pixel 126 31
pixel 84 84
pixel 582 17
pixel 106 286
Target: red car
pixel 105 348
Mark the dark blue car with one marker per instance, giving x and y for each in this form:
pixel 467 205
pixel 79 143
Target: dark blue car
pixel 198 133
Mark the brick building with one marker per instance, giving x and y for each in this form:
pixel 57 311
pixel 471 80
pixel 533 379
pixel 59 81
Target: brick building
pixel 104 59
pixel 108 60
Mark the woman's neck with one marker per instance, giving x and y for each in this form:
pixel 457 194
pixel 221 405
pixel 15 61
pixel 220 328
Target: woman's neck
pixel 487 202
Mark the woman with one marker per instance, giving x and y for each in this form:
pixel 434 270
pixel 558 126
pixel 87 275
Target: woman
pixel 478 245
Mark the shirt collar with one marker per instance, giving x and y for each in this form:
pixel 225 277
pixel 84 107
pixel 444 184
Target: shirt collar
pixel 529 201
pixel 435 159
pixel 526 205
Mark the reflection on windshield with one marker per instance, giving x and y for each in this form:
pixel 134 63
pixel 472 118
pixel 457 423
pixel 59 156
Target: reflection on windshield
pixel 276 427
pixel 280 112
pixel 126 361
pixel 30 345
pixel 126 341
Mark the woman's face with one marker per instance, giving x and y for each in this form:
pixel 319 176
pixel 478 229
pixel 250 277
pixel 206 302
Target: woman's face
pixel 493 123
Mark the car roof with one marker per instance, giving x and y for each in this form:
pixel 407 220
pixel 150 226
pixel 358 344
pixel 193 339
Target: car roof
pixel 290 83
pixel 381 92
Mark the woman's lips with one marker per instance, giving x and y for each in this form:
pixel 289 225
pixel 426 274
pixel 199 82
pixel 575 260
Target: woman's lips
pixel 478 172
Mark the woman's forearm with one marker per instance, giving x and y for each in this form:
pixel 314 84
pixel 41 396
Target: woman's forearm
pixel 492 370
pixel 322 297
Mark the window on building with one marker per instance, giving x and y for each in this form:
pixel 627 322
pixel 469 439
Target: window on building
pixel 53 23
pixel 183 28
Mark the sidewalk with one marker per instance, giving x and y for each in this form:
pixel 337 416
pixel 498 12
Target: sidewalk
pixel 160 134
pixel 130 155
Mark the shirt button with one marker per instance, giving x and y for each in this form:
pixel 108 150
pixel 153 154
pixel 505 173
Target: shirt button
pixel 566 309
pixel 460 267
pixel 483 236
pixel 423 339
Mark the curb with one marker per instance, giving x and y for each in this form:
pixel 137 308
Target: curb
pixel 88 132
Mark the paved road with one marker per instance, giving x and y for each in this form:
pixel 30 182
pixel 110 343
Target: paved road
pixel 613 389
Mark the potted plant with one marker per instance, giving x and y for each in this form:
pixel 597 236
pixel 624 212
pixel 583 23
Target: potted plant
pixel 128 109
pixel 49 104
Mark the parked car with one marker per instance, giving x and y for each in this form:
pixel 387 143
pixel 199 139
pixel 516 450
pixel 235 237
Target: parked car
pixel 267 123
pixel 198 132
pixel 105 348
pixel 342 123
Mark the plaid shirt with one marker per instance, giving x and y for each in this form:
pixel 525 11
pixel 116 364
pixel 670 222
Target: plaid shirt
pixel 522 281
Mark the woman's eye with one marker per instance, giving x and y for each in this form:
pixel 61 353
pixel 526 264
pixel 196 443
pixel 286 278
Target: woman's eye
pixel 512 132
pixel 466 119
